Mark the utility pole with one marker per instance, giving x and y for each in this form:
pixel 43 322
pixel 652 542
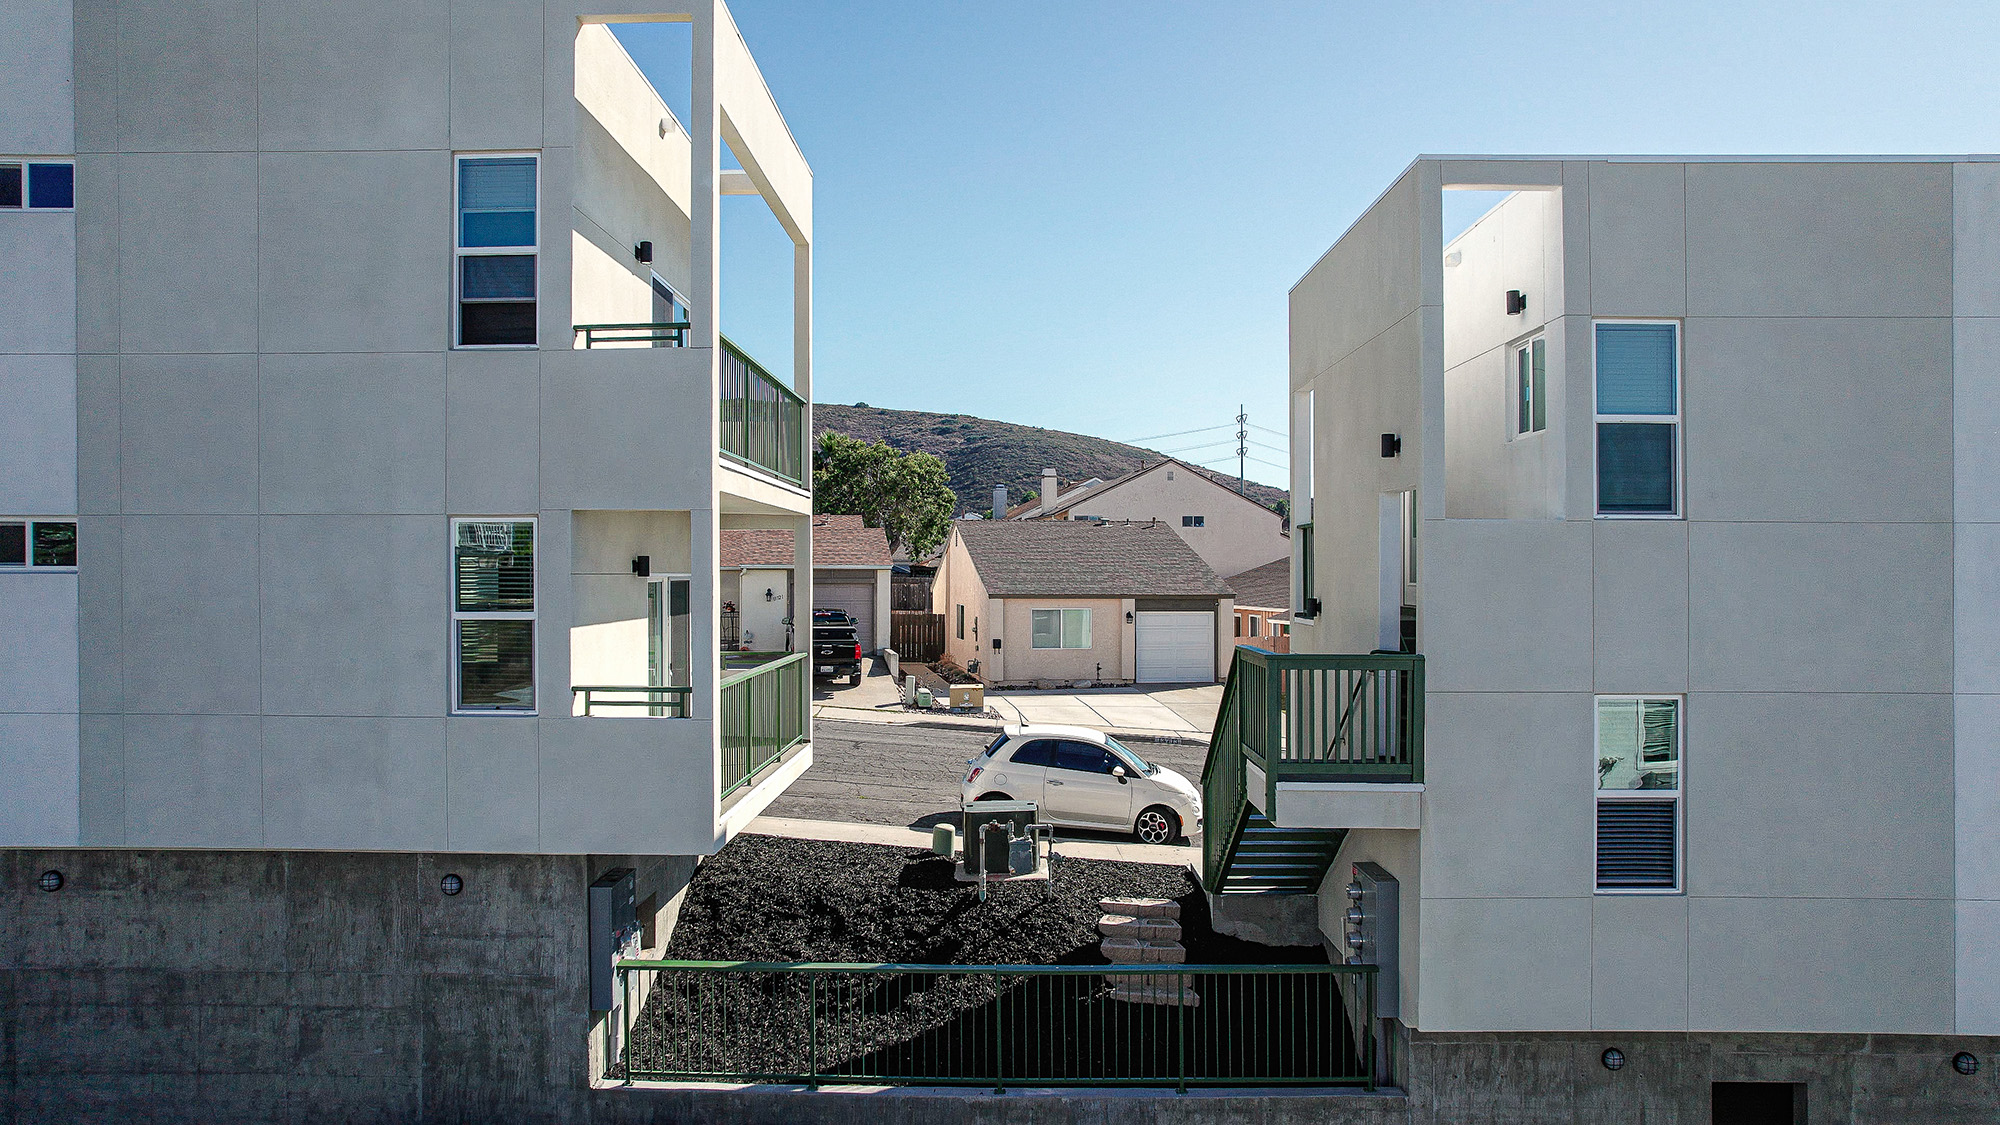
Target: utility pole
pixel 1242 444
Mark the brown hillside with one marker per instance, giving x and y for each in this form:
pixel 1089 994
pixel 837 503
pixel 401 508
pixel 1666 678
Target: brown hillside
pixel 980 453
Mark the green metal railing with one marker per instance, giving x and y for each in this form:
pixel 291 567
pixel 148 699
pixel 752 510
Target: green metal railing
pixel 670 702
pixel 763 715
pixel 659 333
pixel 763 421
pixel 998 1025
pixel 1307 717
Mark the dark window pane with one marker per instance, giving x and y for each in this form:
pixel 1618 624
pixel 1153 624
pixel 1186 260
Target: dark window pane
pixel 1539 384
pixel 55 544
pixel 496 665
pixel 51 185
pixel 496 566
pixel 1635 468
pixel 13 544
pixel 497 228
pixel 1040 752
pixel 1083 758
pixel 10 185
pixel 1635 369
pixel 508 322
pixel 499 277
pixel 1524 406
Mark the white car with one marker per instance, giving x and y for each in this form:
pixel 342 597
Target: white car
pixel 1084 778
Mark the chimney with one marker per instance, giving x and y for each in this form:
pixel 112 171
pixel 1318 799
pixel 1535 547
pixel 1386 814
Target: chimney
pixel 1050 486
pixel 1000 502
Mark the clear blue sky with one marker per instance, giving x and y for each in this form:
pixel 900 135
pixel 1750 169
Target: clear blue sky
pixel 1087 215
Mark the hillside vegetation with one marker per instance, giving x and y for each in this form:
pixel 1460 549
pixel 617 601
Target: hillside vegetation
pixel 980 453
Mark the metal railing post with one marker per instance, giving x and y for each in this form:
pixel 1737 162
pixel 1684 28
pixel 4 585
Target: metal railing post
pixel 812 1030
pixel 625 1044
pixel 999 1069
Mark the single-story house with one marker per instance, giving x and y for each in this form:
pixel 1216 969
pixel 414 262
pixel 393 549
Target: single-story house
pixel 1081 601
pixel 851 566
pixel 1263 613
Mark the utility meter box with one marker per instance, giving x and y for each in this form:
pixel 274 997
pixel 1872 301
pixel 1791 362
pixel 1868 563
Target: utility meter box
pixel 1017 815
pixel 1373 910
pixel 614 933
pixel 968 695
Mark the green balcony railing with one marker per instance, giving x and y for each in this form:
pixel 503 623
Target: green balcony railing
pixel 763 421
pixel 995 1026
pixel 764 714
pixel 1306 717
pixel 668 702
pixel 658 334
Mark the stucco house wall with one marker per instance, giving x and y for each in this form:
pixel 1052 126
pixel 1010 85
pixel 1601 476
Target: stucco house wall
pixel 1237 533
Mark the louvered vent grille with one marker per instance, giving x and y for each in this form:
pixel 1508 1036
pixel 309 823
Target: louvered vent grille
pixel 1635 845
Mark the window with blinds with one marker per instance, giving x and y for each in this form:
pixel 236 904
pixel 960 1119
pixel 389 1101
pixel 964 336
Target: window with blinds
pixel 497 244
pixel 1638 793
pixel 37 543
pixel 493 615
pixel 1638 418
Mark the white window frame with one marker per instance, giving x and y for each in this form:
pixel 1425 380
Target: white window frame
pixel 461 252
pixel 1678 794
pixel 1676 419
pixel 1062 630
pixel 457 615
pixel 28 563
pixel 1519 425
pixel 27 188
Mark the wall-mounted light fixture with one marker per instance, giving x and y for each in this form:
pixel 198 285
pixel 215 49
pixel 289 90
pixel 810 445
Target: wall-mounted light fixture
pixel 642 565
pixel 996 644
pixel 52 881
pixel 1965 1062
pixel 1612 1058
pixel 451 884
pixel 1392 444
pixel 1128 617
pixel 643 251
pixel 1517 302
pixel 770 595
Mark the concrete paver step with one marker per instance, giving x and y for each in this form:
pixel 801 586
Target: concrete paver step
pixel 1141 907
pixel 1168 991
pixel 1121 951
pixel 1144 929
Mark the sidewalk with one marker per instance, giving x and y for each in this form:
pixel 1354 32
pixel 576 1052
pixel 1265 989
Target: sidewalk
pixel 1173 714
pixel 892 836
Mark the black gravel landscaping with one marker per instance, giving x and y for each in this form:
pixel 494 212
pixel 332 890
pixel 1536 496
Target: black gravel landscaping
pixel 774 899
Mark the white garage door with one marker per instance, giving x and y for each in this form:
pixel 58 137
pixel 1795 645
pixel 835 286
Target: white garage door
pixel 1176 648
pixel 858 599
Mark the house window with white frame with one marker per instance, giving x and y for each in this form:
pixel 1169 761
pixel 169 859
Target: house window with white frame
pixel 493 615
pixel 1531 386
pixel 1638 793
pixel 27 544
pixel 497 244
pixel 1638 418
pixel 1194 521
pixel 1059 628
pixel 37 185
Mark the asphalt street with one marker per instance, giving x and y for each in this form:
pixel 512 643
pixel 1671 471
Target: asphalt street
pixel 878 773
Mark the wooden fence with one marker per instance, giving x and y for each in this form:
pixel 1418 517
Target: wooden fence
pixel 917 636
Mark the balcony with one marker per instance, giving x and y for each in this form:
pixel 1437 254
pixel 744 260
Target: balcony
pixel 763 716
pixel 763 421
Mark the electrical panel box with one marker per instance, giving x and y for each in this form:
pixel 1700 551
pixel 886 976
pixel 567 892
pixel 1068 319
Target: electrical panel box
pixel 1374 908
pixel 614 933
pixel 1017 815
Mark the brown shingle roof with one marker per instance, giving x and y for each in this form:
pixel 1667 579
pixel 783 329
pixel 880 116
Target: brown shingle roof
pixel 1085 559
pixel 837 541
pixel 1265 587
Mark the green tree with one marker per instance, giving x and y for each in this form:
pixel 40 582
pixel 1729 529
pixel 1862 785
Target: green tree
pixel 907 495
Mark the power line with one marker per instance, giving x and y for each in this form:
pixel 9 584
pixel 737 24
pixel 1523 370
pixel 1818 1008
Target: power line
pixel 1269 430
pixel 1204 445
pixel 1182 433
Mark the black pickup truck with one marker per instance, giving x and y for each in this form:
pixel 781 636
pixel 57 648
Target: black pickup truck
pixel 836 649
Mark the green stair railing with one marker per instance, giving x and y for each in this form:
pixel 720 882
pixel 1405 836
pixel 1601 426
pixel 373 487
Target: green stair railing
pixel 1305 717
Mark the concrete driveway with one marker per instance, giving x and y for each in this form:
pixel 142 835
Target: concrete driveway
pixel 1181 710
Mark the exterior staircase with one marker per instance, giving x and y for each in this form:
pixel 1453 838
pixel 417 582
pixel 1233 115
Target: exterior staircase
pixel 1301 718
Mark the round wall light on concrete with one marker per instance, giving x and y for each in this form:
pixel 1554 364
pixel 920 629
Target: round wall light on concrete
pixel 1612 1058
pixel 1965 1062
pixel 451 884
pixel 53 881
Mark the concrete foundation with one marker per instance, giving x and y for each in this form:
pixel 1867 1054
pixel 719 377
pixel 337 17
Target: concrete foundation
pixel 1267 919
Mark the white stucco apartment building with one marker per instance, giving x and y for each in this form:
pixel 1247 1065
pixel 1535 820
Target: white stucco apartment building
pixel 1678 476
pixel 325 493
